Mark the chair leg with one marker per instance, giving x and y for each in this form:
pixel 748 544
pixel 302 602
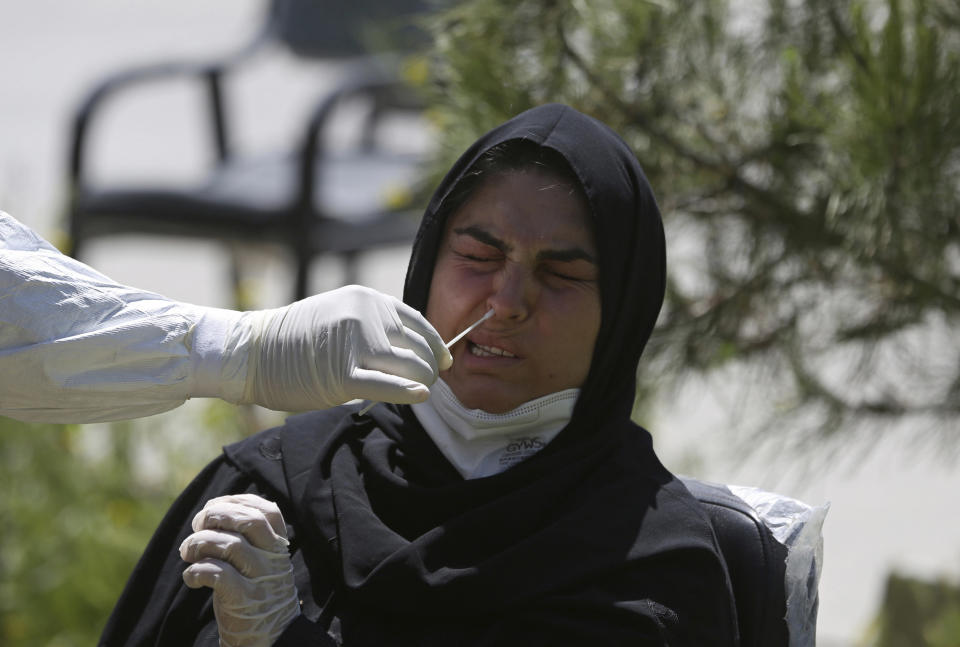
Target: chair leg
pixel 74 248
pixel 239 292
pixel 351 268
pixel 75 232
pixel 301 280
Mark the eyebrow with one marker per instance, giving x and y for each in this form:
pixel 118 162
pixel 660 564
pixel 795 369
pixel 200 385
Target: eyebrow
pixel 562 255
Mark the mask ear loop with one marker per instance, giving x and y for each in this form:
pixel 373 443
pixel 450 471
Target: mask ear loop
pixel 450 343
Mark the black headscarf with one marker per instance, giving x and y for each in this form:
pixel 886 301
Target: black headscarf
pixel 629 235
pixel 592 536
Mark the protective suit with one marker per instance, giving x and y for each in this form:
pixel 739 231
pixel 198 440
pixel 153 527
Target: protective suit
pixel 75 346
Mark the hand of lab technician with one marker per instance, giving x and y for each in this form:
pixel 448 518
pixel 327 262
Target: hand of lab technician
pixel 239 549
pixel 346 344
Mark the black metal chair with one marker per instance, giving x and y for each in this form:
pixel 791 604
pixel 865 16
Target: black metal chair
pixel 313 200
pixel 755 560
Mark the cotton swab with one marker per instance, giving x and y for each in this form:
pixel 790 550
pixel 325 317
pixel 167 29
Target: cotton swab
pixel 469 328
pixel 449 344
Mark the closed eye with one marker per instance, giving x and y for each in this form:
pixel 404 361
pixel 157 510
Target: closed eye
pixel 577 271
pixel 570 277
pixel 475 258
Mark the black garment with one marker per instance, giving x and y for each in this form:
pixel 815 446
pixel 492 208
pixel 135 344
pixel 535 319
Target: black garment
pixel 620 555
pixel 590 542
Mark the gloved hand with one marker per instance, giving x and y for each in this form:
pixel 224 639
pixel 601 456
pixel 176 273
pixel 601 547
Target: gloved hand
pixel 346 344
pixel 239 549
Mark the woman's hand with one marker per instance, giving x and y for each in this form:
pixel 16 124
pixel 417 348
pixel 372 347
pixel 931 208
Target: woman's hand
pixel 239 549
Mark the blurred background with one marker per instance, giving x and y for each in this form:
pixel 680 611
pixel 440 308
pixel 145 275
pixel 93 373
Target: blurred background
pixel 806 156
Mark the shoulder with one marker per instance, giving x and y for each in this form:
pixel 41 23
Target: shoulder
pixel 275 456
pixel 669 511
pixel 300 436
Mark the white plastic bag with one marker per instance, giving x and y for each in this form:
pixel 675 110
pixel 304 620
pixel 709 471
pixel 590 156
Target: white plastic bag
pixel 797 526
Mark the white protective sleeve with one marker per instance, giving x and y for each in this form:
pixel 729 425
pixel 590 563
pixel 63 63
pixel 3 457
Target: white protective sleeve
pixel 76 346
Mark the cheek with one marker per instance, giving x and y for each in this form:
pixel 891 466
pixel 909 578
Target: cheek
pixel 585 338
pixel 438 307
pixel 577 312
pixel 454 292
pixel 575 326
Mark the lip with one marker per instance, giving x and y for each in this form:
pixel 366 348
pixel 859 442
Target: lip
pixel 468 360
pixel 483 339
pixel 489 351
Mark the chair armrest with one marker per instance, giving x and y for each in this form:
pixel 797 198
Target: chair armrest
pixel 208 71
pixel 371 82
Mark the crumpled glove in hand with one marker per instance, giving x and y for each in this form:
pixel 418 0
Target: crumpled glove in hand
pixel 239 549
pixel 346 344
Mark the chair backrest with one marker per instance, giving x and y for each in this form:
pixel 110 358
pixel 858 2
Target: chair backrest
pixel 755 560
pixel 339 29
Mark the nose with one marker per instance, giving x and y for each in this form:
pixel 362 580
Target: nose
pixel 513 294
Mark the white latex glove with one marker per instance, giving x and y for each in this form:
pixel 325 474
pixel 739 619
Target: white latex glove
pixel 346 344
pixel 239 549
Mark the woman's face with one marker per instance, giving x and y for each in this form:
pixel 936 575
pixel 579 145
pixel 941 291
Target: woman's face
pixel 522 245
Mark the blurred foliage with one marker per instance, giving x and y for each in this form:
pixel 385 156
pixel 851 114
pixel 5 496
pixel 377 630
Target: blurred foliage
pixel 78 507
pixel 806 156
pixel 917 613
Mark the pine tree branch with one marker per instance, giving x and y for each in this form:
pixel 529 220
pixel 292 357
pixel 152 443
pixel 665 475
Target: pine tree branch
pixel 846 38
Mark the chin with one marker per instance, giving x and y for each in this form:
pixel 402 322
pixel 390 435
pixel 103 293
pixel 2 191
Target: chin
pixel 489 400
pixel 498 409
pixel 491 405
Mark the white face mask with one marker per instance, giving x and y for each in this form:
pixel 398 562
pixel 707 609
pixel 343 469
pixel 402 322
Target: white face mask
pixel 481 444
